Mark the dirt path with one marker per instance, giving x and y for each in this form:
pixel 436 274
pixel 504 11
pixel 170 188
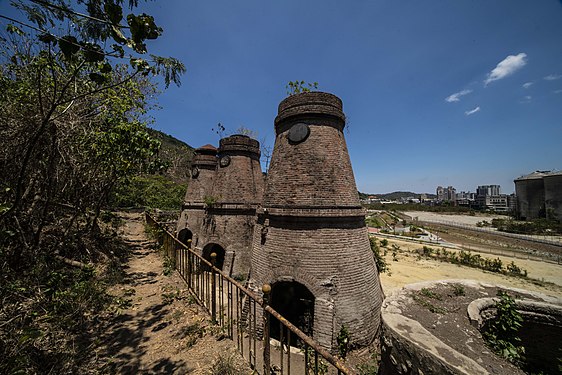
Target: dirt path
pixel 157 326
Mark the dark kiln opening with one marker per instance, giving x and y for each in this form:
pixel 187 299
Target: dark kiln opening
pixel 184 235
pixel 296 303
pixel 214 248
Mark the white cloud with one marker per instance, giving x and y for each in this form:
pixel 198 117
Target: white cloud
pixel 553 77
pixel 527 99
pixel 557 91
pixel 455 97
pixel 473 111
pixel 506 67
pixel 526 85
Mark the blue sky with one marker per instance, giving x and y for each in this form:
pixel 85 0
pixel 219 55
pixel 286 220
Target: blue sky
pixel 394 64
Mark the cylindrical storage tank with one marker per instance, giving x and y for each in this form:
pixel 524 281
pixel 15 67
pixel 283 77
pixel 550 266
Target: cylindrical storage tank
pixel 530 195
pixel 553 195
pixel 310 241
pixel 191 218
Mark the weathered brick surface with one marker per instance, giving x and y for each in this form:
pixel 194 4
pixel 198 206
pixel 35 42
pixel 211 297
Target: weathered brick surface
pixel 241 181
pixel 235 190
pixel 312 229
pixel 238 190
pixel 200 185
pixel 333 260
pixel 232 229
pixel 316 172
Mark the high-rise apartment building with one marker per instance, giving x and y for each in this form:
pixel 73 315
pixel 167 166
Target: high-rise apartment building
pixel 448 194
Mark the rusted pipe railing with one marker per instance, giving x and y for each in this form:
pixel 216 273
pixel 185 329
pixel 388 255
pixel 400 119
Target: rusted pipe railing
pixel 235 309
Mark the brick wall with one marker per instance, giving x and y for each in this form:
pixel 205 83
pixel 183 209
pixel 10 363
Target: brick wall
pixel 238 190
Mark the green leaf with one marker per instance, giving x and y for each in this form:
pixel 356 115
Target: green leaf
pixel 12 29
pixel 114 12
pixel 106 68
pixel 47 38
pixel 69 46
pixel 93 52
pixel 142 28
pixel 97 78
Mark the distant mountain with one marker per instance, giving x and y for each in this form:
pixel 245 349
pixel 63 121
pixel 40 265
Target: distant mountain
pixel 177 153
pixel 396 195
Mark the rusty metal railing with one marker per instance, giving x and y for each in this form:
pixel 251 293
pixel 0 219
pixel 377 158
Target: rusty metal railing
pixel 245 318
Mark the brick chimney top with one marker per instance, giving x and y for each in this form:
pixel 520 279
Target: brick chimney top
pixel 239 143
pixel 305 105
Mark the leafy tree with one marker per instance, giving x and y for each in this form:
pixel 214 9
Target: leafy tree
pixel 72 114
pixel 74 93
pixel 152 191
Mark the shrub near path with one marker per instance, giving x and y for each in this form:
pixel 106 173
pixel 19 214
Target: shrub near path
pixel 158 327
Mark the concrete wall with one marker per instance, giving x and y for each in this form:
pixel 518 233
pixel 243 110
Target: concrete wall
pixel 553 195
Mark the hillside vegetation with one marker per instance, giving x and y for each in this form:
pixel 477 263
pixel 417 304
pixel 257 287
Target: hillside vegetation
pixel 74 96
pixel 165 190
pixel 177 155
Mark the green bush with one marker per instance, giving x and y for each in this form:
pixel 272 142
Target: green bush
pixel 151 191
pixel 382 266
pixel 501 332
pixel 536 226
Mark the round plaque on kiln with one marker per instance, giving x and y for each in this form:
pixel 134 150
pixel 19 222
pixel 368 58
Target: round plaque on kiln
pixel 298 133
pixel 194 172
pixel 224 161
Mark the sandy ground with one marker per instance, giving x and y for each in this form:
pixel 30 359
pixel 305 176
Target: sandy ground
pixel 159 329
pixel 408 269
pixel 434 217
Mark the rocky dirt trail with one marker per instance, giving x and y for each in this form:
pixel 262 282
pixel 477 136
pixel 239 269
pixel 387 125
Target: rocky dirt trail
pixel 158 328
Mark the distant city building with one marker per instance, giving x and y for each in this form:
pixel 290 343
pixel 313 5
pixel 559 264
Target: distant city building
pixel 488 190
pixel 488 197
pixel 466 198
pixel 448 194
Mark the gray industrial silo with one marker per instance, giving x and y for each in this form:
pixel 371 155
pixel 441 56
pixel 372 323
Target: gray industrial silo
pixel 553 195
pixel 530 195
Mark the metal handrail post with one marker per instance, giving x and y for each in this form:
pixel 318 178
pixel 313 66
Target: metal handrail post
pixel 266 289
pixel 213 288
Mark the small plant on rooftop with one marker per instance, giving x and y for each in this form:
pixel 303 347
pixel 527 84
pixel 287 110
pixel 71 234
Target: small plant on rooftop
pixel 210 201
pixel 296 87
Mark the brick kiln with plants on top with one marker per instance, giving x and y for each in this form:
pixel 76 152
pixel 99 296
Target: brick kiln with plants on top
pixel 310 240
